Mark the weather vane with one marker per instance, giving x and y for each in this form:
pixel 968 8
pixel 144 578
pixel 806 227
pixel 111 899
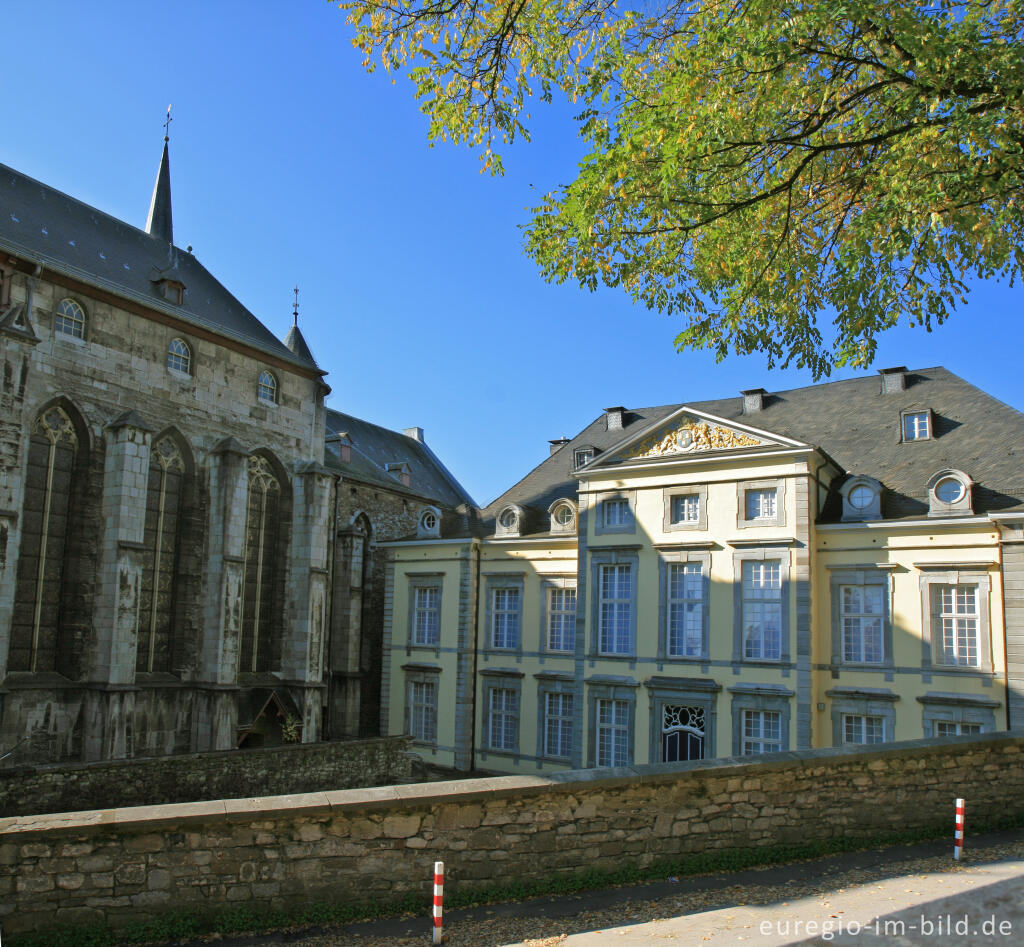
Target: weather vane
pixel 295 308
pixel 167 124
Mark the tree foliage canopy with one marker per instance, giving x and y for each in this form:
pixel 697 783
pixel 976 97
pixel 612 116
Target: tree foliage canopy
pixel 752 165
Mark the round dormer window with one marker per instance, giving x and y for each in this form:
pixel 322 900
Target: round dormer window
pixel 949 490
pixel 861 496
pixel 429 521
pixel 563 515
pixel 508 519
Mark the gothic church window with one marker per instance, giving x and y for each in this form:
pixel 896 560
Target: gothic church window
pixel 179 357
pixel 48 512
pixel 163 525
pixel 266 388
pixel 70 319
pixel 262 567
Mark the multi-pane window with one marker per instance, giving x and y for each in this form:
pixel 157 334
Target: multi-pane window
pixel 615 609
pixel 685 610
pixel 266 388
pixel 762 609
pixel 582 456
pixel 179 357
pixel 612 732
pixel 503 718
pixel 558 709
pixel 762 732
pixel 426 626
pixel 423 711
pixel 561 620
pixel 505 618
pixel 861 608
pixel 916 426
pixel 686 508
pixel 615 512
pixel 761 504
pixel 956 620
pixel 949 728
pixel 861 728
pixel 70 319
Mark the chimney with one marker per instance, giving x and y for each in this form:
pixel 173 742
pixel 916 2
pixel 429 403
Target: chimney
pixel 893 379
pixel 753 400
pixel 416 433
pixel 558 443
pixel 400 471
pixel 613 417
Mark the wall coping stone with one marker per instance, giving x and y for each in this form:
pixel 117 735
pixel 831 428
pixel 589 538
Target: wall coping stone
pixel 147 818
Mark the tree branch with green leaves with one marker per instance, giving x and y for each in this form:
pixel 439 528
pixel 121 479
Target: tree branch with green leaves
pixel 789 178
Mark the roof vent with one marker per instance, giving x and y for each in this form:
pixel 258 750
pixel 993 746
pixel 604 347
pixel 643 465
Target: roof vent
pixel 613 416
pixel 893 379
pixel 753 400
pixel 558 443
pixel 416 433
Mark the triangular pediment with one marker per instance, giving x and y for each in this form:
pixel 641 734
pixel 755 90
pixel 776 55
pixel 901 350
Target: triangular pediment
pixel 689 433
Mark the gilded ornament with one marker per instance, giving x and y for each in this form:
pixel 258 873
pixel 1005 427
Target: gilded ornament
pixel 692 438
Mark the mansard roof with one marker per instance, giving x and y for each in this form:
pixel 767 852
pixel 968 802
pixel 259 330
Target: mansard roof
pixel 855 424
pixel 374 447
pixel 41 224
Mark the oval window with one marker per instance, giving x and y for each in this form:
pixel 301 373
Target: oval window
pixel 860 497
pixel 429 521
pixel 509 518
pixel 949 490
pixel 563 515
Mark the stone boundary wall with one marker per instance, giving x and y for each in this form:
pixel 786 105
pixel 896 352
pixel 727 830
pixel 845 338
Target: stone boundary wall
pixel 125 865
pixel 298 768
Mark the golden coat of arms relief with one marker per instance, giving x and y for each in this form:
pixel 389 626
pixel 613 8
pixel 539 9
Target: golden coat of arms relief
pixel 691 438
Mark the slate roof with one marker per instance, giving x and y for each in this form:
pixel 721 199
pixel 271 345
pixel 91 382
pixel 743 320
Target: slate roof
pixel 374 447
pixel 42 224
pixel 857 426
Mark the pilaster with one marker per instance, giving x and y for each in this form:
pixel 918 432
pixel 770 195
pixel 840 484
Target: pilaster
pixel 111 660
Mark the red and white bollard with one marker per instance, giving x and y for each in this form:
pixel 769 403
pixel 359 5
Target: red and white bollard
pixel 958 833
pixel 438 900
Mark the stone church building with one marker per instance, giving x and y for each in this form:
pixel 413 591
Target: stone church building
pixel 188 536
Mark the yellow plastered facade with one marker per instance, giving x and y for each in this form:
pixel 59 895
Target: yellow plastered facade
pixel 661 705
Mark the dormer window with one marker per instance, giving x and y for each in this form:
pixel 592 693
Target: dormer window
pixel 401 471
pixel 563 516
pixel 862 499
pixel 917 425
pixel 429 525
pixel 171 290
pixel 949 493
pixel 582 456
pixel 510 521
pixel 266 388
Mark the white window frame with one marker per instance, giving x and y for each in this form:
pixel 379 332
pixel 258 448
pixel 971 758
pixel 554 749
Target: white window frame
pixel 558 721
pixel 933 654
pixel 858 724
pixel 267 392
pixel 775 517
pixel 503 709
pixel 613 734
pixel 618 608
pixel 69 319
pixel 755 743
pixel 179 357
pixel 916 425
pixel 506 610
pixel 565 616
pixel 751 602
pixel 692 601
pixel 427 632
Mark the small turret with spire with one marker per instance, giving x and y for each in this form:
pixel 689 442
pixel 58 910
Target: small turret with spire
pixel 294 340
pixel 159 223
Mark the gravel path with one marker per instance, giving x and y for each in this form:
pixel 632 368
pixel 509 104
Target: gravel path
pixel 548 922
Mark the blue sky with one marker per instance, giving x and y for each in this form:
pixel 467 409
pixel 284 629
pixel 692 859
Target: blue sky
pixel 291 165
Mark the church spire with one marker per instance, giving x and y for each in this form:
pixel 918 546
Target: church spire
pixel 159 223
pixel 294 340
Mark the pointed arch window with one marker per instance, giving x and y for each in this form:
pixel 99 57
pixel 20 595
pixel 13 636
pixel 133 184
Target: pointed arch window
pixel 52 456
pixel 179 357
pixel 261 566
pixel 163 505
pixel 266 388
pixel 70 319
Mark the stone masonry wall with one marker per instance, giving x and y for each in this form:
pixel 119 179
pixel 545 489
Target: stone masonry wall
pixel 300 768
pixel 356 845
